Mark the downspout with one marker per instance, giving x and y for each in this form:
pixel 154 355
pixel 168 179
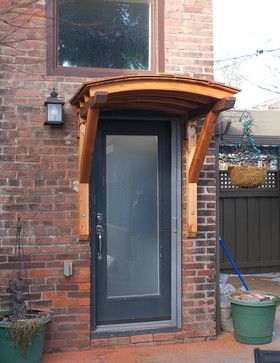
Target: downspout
pixel 222 128
pixel 217 261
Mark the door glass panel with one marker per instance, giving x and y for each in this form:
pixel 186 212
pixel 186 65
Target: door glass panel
pixel 132 206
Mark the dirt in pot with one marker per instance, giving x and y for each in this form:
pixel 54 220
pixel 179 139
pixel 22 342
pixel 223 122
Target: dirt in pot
pixel 256 296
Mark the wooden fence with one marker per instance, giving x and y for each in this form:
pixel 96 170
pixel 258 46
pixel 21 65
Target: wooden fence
pixel 249 224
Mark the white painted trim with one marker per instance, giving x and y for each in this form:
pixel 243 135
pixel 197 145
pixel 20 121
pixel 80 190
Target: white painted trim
pixel 176 213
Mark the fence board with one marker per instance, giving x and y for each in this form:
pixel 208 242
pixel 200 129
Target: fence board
pixel 241 210
pixel 275 229
pixel 229 226
pixel 265 229
pixel 253 230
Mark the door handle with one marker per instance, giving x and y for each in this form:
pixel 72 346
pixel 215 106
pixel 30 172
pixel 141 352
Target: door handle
pixel 99 233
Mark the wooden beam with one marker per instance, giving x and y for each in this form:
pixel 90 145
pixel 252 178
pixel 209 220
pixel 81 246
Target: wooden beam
pixel 191 188
pixel 98 100
pixel 205 136
pixel 83 190
pixel 88 144
pixel 204 140
pixel 84 211
pixel 224 104
pixel 82 131
pixel 192 210
pixel 220 106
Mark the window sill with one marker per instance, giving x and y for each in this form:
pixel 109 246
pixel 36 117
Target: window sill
pixel 122 330
pixel 93 72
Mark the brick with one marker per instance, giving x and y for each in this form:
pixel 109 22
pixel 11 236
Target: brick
pixel 81 343
pixel 54 295
pixel 84 286
pixel 65 335
pixel 79 294
pixel 119 341
pixel 164 337
pixel 68 287
pixel 141 338
pixel 42 273
pixel 99 342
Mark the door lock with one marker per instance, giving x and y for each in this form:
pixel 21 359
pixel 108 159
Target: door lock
pixel 99 218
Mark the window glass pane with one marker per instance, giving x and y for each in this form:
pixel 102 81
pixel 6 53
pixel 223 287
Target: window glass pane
pixel 103 34
pixel 132 215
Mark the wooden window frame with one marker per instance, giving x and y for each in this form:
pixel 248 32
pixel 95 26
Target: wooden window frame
pixel 157 47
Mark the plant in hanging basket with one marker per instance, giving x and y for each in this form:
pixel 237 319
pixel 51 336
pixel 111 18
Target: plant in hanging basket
pixel 245 170
pixel 247 177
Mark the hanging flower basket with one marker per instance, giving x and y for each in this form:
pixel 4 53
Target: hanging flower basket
pixel 247 177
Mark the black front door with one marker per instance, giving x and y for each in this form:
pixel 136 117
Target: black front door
pixel 131 221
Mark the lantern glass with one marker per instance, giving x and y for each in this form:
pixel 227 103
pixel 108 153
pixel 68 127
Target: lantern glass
pixel 54 112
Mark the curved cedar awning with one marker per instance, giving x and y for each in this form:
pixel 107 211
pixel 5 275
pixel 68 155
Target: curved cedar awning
pixel 162 91
pixel 190 97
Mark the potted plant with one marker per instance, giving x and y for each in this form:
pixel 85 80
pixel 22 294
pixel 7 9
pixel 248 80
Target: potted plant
pixel 22 340
pixel 246 170
pixel 253 315
pixel 22 330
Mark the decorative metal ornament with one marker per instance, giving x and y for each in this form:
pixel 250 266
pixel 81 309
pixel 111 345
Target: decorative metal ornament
pixel 16 286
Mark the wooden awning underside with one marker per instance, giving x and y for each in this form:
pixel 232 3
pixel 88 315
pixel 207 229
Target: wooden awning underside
pixel 192 98
pixel 164 92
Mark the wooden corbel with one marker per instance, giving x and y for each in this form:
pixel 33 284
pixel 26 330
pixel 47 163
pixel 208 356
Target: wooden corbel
pixel 88 144
pixel 205 137
pixel 83 189
pixel 87 141
pixel 196 152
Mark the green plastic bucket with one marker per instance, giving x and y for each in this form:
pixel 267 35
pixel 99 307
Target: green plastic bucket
pixel 253 321
pixel 9 353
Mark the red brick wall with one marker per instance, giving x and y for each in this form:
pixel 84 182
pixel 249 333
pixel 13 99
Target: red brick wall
pixel 39 170
pixel 189 38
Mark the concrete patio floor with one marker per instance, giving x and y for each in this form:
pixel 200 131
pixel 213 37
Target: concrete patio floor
pixel 223 350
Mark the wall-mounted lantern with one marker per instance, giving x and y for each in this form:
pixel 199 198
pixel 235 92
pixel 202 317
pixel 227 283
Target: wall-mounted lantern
pixel 54 109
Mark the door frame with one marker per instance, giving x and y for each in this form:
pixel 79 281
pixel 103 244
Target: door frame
pixel 176 264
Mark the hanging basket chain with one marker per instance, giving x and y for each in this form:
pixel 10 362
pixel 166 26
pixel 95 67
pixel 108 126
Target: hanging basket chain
pixel 18 246
pixel 246 150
